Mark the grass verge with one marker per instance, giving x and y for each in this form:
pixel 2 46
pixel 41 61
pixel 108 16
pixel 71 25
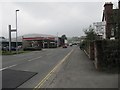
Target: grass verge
pixel 12 52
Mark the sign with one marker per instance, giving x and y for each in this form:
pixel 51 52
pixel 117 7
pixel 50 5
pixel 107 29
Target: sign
pixel 99 23
pixel 100 28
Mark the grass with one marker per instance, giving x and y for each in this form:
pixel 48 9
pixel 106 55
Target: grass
pixel 12 52
pixel 0 52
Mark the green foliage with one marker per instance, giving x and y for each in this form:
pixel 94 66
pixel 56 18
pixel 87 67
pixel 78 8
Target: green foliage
pixel 85 45
pixel 12 53
pixel 64 37
pixel 90 34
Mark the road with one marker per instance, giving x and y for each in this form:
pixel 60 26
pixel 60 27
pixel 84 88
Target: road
pixel 38 61
pixel 59 68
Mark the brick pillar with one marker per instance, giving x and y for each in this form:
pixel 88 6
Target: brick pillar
pixel 91 53
pixel 98 54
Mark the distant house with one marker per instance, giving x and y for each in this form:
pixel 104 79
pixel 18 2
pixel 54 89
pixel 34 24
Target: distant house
pixel 112 18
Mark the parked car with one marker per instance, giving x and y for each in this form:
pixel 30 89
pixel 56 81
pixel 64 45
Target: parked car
pixel 74 44
pixel 5 48
pixel 64 46
pixel 13 48
pixel 19 47
pixel 70 44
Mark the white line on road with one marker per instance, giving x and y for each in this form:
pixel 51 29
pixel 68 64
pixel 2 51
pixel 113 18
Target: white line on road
pixel 8 67
pixel 34 58
pixel 48 54
pixel 17 64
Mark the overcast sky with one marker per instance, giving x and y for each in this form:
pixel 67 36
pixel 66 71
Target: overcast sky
pixel 68 18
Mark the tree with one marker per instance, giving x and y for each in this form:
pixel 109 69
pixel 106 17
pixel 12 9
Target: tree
pixel 64 37
pixel 90 34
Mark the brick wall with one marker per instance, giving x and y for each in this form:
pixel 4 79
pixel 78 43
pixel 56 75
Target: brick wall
pixel 108 8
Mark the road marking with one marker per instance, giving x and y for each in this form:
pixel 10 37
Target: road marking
pixel 8 67
pixel 40 84
pixel 17 64
pixel 34 58
pixel 48 54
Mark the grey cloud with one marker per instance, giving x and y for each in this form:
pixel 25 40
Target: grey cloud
pixel 49 18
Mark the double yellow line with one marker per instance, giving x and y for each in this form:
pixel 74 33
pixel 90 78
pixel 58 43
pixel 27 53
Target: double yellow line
pixel 40 84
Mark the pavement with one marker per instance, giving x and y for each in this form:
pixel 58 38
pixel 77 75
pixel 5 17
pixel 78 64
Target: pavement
pixel 79 72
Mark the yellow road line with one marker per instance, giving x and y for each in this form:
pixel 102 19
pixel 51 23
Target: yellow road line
pixel 40 84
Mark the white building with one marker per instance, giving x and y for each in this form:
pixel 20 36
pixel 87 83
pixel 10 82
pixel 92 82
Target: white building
pixel 100 29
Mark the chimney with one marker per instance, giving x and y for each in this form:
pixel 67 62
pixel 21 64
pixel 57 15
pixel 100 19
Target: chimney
pixel 108 9
pixel 108 6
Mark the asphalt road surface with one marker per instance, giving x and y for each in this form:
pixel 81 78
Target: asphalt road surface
pixel 59 68
pixel 41 62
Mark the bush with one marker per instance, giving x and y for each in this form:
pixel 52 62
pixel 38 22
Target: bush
pixel 32 48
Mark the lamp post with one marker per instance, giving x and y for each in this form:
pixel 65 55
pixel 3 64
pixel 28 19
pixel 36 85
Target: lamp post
pixel 16 33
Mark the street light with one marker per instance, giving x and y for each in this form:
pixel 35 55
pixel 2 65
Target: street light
pixel 16 33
